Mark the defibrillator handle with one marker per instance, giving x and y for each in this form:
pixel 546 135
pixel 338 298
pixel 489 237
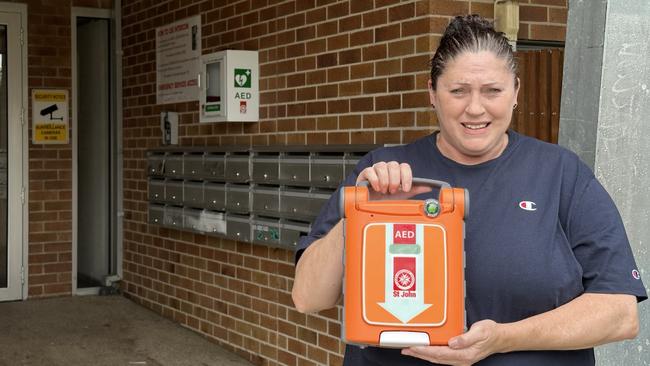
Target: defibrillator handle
pixel 419 181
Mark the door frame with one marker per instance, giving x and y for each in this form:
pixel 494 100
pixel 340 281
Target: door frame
pixel 20 181
pixel 116 155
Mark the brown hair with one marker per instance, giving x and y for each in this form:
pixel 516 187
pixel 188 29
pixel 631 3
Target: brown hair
pixel 470 33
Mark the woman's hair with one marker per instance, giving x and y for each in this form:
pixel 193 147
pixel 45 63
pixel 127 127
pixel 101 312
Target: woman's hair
pixel 470 33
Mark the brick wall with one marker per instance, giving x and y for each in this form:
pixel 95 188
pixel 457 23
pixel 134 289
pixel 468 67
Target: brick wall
pixel 50 166
pixel 331 72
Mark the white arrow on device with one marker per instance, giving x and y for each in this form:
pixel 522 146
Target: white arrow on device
pixel 406 308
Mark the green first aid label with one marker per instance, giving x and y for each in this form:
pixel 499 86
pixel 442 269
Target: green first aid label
pixel 242 78
pixel 213 107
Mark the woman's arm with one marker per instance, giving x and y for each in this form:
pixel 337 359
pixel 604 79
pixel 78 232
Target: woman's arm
pixel 319 273
pixel 587 321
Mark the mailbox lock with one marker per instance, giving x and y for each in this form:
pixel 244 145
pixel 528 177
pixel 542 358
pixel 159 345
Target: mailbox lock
pixel 173 197
pixel 326 178
pixel 294 209
pixel 173 171
pixel 237 174
pixel 266 176
pixel 266 207
pixel 294 177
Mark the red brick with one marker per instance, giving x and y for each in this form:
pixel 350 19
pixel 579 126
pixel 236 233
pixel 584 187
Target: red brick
pixel 533 13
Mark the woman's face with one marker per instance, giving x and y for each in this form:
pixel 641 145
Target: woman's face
pixel 474 99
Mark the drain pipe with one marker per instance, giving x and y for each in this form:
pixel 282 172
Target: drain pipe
pixel 112 280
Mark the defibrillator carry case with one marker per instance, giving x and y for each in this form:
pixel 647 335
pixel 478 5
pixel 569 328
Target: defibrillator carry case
pixel 404 267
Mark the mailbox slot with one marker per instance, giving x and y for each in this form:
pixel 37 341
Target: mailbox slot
pixel 294 168
pixel 156 164
pixel 156 190
pixel 266 200
pixel 214 166
pixel 192 219
pixel 265 167
pixel 156 214
pixel 173 217
pixel 266 231
pixel 238 227
pixel 214 196
pixel 238 198
pixel 291 231
pixel 302 204
pixel 193 194
pixel 193 166
pixel 174 191
pixel 174 165
pixel 327 170
pixel 237 167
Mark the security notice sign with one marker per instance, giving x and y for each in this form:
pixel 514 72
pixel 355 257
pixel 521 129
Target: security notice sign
pixel 178 52
pixel 49 116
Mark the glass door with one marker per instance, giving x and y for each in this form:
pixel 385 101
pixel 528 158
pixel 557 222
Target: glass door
pixel 11 191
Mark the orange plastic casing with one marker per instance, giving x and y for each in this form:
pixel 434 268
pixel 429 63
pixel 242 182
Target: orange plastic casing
pixel 368 280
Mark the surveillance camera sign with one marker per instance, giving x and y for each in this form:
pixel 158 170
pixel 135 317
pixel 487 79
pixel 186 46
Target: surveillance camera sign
pixel 50 116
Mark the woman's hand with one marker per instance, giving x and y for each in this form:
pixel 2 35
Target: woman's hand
pixel 391 178
pixel 482 340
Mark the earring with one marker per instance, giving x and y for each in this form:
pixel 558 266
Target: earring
pixel 433 106
pixel 515 106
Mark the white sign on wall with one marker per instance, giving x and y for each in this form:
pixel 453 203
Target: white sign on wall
pixel 178 52
pixel 50 116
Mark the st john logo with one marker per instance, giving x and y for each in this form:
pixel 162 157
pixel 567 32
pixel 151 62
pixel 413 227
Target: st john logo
pixel 528 205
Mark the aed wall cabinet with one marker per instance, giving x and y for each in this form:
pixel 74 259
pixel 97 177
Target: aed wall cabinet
pixel 229 87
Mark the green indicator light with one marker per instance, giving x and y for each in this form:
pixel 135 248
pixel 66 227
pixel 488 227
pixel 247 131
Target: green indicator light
pixel 431 208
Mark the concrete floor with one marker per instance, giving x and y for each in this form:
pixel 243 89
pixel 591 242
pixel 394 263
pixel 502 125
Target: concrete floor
pixel 100 330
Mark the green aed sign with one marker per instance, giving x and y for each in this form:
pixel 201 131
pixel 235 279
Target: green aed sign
pixel 242 78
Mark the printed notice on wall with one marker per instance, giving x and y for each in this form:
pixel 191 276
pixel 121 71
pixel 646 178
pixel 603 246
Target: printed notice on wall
pixel 49 116
pixel 178 52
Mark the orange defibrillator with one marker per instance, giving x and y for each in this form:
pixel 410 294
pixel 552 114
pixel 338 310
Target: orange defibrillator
pixel 404 267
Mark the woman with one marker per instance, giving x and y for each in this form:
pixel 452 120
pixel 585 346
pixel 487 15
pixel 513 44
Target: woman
pixel 550 273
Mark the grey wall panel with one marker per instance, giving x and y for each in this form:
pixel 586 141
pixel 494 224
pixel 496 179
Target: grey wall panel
pixel 622 148
pixel 605 109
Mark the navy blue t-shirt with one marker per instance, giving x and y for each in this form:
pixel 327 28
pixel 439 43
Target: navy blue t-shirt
pixel 541 231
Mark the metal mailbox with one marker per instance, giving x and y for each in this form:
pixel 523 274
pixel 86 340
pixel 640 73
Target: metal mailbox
pixel 214 166
pixel 213 222
pixel 174 165
pixel 238 198
pixel 294 169
pixel 173 217
pixel 302 204
pixel 174 191
pixel 193 194
pixel 156 190
pixel 192 219
pixel 238 227
pixel 156 214
pixel 291 231
pixel 214 196
pixel 193 166
pixel 156 164
pixel 326 170
pixel 237 167
pixel 266 231
pixel 266 200
pixel 265 168
pixel 351 161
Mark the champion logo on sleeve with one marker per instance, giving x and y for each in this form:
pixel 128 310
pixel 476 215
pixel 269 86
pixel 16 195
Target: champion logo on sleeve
pixel 636 274
pixel 528 205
